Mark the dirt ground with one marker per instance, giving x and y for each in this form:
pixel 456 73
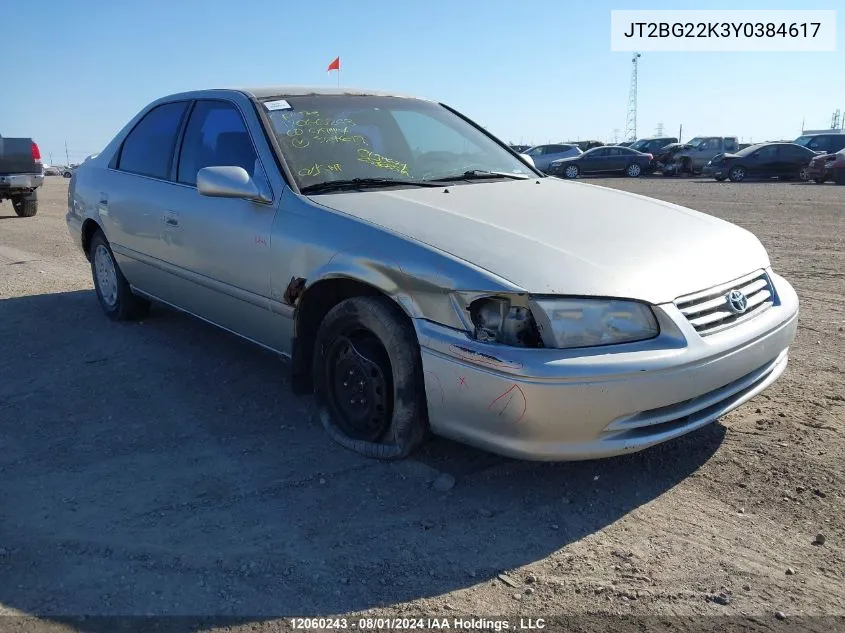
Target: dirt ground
pixel 164 468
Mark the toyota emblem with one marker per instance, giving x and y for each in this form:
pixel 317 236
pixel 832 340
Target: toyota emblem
pixel 737 301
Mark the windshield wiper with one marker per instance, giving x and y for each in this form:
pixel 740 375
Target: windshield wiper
pixel 361 183
pixel 480 174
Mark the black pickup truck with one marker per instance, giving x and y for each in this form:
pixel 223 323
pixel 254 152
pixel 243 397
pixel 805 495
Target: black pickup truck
pixel 21 174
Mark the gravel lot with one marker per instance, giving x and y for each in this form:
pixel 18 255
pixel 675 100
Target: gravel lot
pixel 164 468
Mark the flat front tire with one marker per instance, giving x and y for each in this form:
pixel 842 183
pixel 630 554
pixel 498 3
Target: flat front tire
pixel 368 379
pixel 113 291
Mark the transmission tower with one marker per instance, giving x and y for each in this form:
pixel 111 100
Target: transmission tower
pixel 659 129
pixel 616 131
pixel 631 121
pixel 834 120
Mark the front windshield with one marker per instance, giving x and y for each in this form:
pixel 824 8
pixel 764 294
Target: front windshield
pixel 341 137
pixel 639 145
pixel 695 142
pixel 803 140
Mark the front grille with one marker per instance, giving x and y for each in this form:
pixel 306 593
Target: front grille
pixel 709 311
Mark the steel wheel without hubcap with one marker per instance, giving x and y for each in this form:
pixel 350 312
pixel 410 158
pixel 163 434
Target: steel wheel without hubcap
pixel 106 275
pixel 571 171
pixel 737 174
pixel 360 385
pixel 633 170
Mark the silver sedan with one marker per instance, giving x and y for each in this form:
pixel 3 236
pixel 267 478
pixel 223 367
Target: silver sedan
pixel 421 276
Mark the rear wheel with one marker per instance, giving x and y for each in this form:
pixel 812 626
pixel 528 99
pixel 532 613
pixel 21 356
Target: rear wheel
pixel 368 379
pixel 113 291
pixel 26 206
pixel 802 174
pixel 737 173
pixel 633 170
pixel 571 171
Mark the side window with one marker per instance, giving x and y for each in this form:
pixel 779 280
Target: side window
pixel 819 143
pixel 148 149
pixel 768 152
pixel 215 136
pixel 730 145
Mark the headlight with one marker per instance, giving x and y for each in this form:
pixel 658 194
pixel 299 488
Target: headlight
pixel 567 323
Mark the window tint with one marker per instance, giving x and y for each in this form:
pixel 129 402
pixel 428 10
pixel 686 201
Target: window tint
pixel 215 136
pixel 424 133
pixel 148 149
pixel 769 151
pixel 818 143
pixel 730 145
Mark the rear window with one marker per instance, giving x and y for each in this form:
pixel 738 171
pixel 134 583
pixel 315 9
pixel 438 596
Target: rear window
pixel 148 149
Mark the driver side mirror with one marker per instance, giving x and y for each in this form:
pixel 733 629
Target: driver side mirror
pixel 229 181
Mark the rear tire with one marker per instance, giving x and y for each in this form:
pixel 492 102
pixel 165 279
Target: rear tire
pixel 26 206
pixel 113 291
pixel 368 379
pixel 802 175
pixel 633 170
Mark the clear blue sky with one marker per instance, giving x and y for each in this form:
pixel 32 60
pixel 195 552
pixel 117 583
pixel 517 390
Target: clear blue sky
pixel 530 72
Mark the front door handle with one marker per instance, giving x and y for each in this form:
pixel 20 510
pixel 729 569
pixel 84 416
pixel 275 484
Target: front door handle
pixel 171 219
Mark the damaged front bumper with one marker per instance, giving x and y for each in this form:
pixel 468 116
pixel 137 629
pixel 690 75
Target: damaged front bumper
pixel 553 404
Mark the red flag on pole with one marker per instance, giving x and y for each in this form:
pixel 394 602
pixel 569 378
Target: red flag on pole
pixel 335 65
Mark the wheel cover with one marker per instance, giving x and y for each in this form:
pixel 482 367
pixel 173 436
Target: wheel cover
pixel 634 170
pixel 105 275
pixel 358 386
pixel 571 171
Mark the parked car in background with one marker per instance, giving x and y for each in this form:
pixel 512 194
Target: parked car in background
pixel 624 144
pixel 691 157
pixel 765 160
pixel 519 149
pixel 821 167
pixel 585 145
pixel 612 323
pixel 838 168
pixel 544 155
pixel 21 174
pixel 652 144
pixel 827 143
pixel 604 160
pixel 52 170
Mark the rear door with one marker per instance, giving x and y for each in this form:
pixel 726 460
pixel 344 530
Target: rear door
pixel 134 194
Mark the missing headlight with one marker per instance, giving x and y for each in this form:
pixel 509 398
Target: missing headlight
pixel 497 321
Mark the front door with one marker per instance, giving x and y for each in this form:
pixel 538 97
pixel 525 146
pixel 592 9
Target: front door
pixel 219 248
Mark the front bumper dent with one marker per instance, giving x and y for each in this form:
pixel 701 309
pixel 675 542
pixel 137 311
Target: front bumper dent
pixel 557 405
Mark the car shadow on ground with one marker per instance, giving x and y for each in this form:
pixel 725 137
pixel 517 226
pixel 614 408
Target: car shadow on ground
pixel 163 467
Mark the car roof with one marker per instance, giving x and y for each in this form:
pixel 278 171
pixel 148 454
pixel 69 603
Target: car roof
pixel 262 92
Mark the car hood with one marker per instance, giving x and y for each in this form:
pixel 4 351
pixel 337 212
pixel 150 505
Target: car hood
pixel 550 236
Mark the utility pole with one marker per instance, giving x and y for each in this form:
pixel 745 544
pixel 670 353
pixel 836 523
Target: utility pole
pixel 67 158
pixel 681 134
pixel 51 158
pixel 631 120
